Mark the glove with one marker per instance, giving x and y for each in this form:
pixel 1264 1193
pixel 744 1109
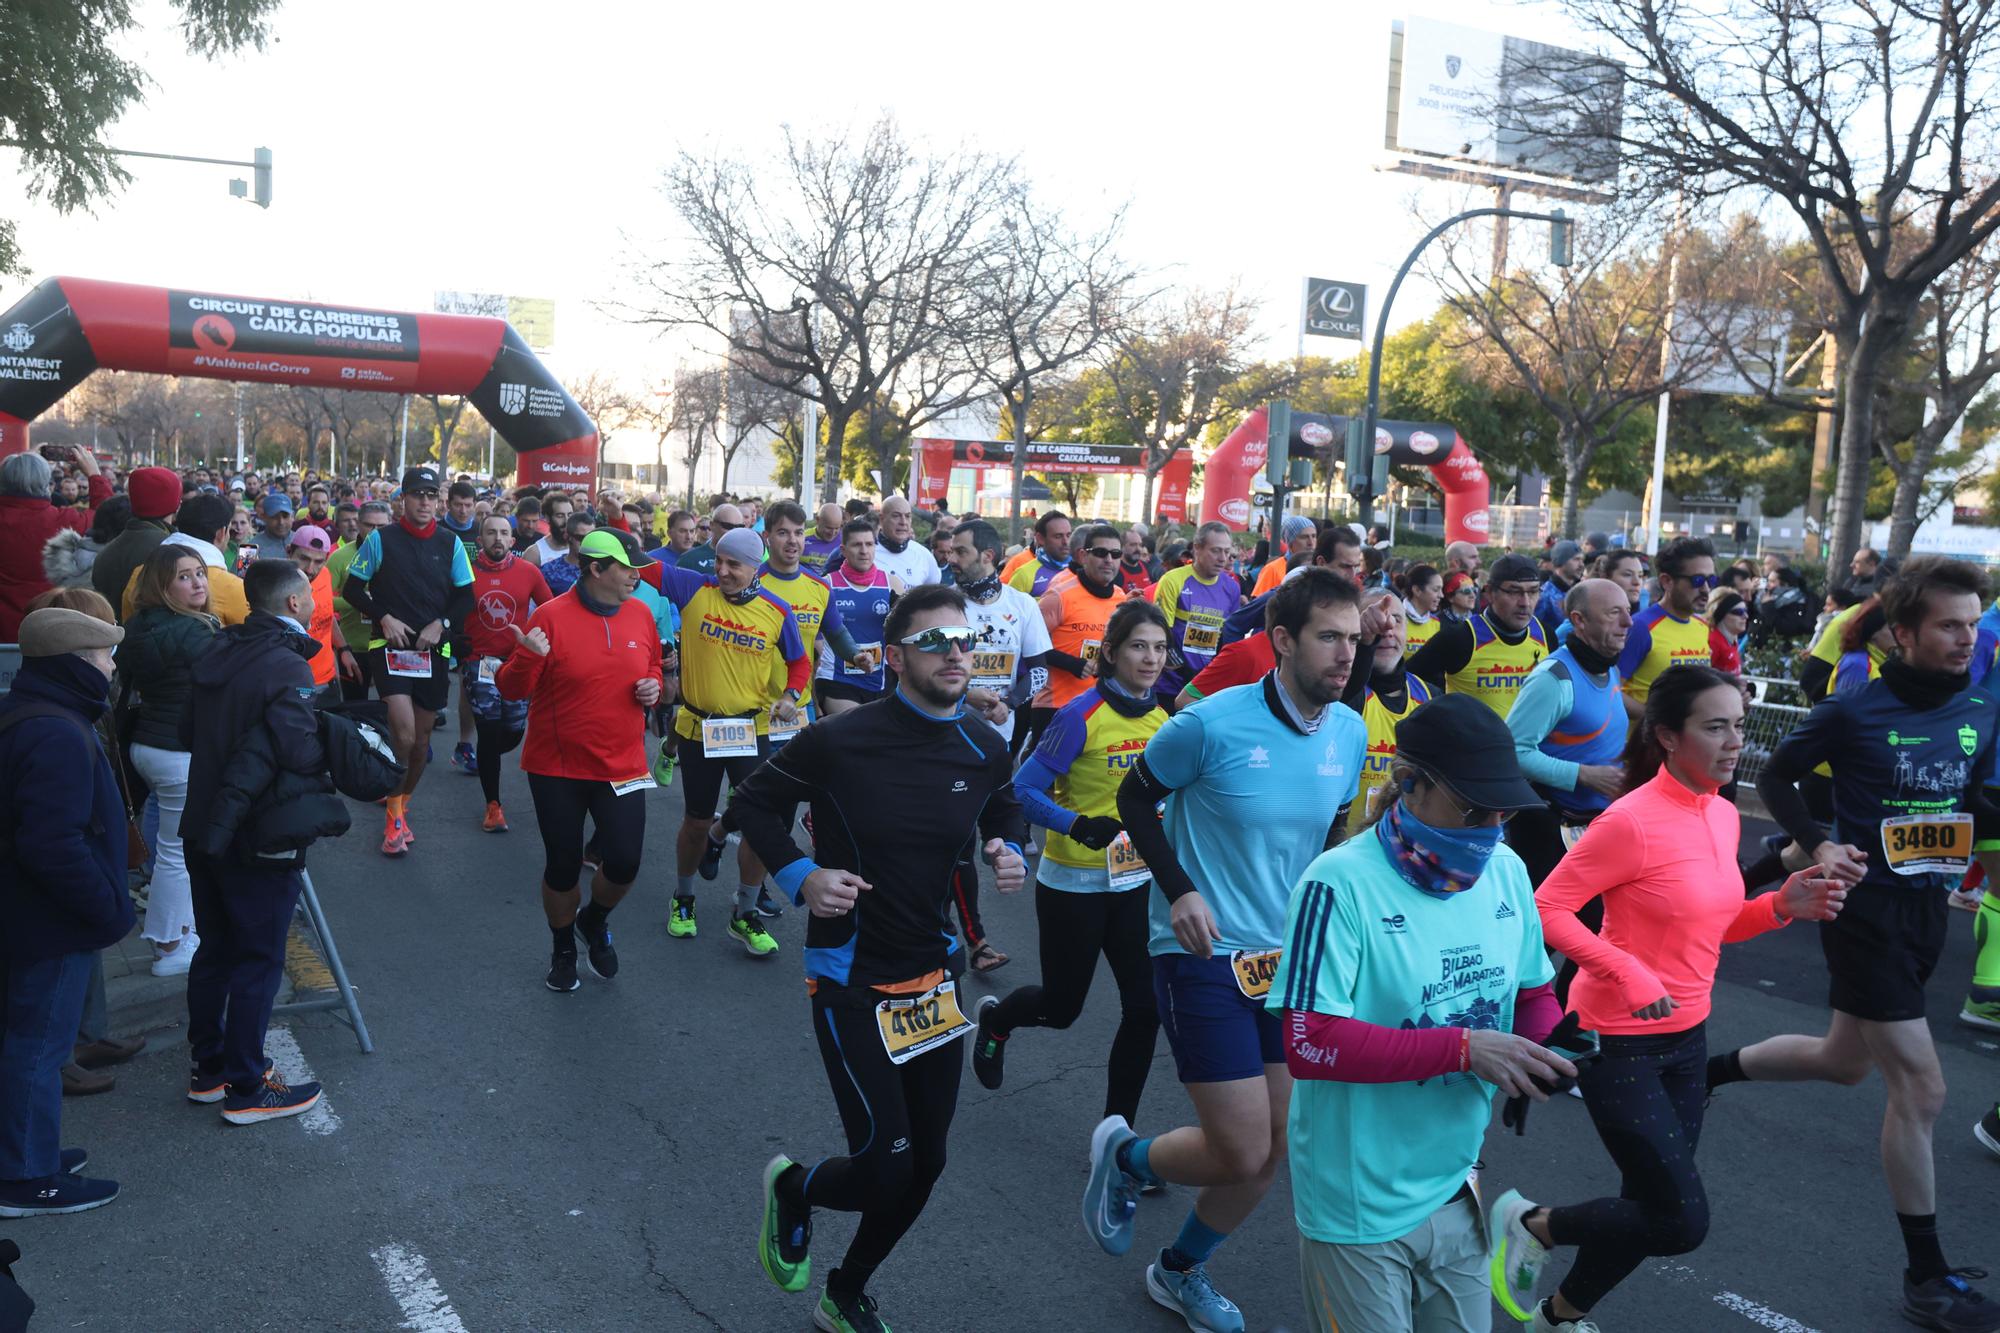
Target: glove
pixel 1176 662
pixel 1095 831
pixel 1568 1038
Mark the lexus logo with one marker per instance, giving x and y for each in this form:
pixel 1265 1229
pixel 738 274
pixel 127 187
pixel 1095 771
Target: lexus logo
pixel 18 338
pixel 1452 65
pixel 1337 301
pixel 513 397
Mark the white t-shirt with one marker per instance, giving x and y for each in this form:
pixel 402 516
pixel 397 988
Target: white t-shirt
pixel 1010 629
pixel 914 564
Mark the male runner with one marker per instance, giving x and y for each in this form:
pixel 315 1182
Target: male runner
pixel 1196 599
pixel 862 594
pixel 1298 535
pixel 505 591
pixel 1912 752
pixel 1256 781
pixel 588 668
pixel 554 545
pixel 898 791
pixel 1052 534
pixel 827 538
pixel 896 549
pixel 1490 655
pixel 726 518
pixel 371 515
pixel 413 580
pixel 1076 608
pixel 1670 632
pixel 461 499
pixel 1390 696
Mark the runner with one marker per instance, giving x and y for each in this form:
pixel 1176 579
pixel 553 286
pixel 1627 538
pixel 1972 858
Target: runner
pixel 412 579
pixel 743 668
pixel 1489 654
pixel 1051 555
pixel 506 590
pixel 1912 751
pixel 1090 888
pixel 1076 608
pixel 898 552
pixel 1299 536
pixel 725 518
pixel 588 667
pixel 1413 983
pixel 1255 782
pixel 1388 699
pixel 563 569
pixel 828 537
pixel 1196 599
pixel 1420 606
pixel 896 792
pixel 554 545
pixel 461 501
pixel 353 625
pixel 1663 859
pixel 1670 632
pixel 862 595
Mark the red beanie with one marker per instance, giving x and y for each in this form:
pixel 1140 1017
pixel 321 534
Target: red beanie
pixel 155 492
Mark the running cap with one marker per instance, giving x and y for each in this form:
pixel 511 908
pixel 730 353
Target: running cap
pixel 612 544
pixel 275 502
pixel 420 479
pixel 1511 568
pixel 310 537
pixel 1463 744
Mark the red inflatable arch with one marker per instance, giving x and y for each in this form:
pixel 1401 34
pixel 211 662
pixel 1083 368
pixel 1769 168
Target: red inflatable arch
pixel 64 329
pixel 1227 477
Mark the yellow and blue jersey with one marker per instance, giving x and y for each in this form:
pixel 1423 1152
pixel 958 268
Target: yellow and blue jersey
pixel 1658 642
pixel 1381 755
pixel 736 657
pixel 1496 668
pixel 810 599
pixel 1084 754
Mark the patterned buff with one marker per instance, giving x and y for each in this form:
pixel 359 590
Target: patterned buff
pixel 1439 862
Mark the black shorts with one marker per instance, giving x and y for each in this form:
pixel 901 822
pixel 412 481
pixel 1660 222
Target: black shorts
pixel 701 777
pixel 1881 949
pixel 426 693
pixel 848 693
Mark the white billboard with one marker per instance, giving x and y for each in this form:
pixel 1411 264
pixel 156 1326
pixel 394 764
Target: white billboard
pixel 1506 101
pixel 1733 350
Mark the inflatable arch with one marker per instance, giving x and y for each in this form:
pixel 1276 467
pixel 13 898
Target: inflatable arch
pixel 1227 478
pixel 53 338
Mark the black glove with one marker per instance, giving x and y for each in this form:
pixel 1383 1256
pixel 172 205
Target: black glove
pixel 1095 831
pixel 1567 1038
pixel 1175 662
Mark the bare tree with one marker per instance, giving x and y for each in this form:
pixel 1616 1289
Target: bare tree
pixel 844 267
pixel 753 406
pixel 1871 118
pixel 1045 299
pixel 696 416
pixel 1167 369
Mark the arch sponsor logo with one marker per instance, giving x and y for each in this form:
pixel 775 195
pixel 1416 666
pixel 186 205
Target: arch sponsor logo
pixel 1423 442
pixel 1234 511
pixel 1316 433
pixel 1478 520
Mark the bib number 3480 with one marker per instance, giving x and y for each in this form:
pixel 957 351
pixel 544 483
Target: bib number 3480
pixel 918 1023
pixel 1928 844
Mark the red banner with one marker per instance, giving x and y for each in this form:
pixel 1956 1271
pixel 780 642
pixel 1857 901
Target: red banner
pixel 572 466
pixel 936 459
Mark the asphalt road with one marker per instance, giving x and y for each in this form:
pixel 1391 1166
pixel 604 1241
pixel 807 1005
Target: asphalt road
pixel 514 1159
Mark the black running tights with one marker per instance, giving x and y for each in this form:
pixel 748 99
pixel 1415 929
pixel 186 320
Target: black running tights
pixel 1075 929
pixel 1645 1098
pixel 896 1117
pixel 560 807
pixel 495 740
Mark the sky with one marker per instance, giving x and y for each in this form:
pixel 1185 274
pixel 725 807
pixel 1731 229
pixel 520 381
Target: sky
pixel 497 146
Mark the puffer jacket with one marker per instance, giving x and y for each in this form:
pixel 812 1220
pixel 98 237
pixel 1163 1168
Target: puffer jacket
pixel 271 816
pixel 159 651
pixel 68 557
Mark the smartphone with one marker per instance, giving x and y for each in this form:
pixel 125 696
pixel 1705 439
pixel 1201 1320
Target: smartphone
pixel 55 453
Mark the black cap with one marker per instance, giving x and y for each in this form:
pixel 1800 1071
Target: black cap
pixel 1513 568
pixel 420 479
pixel 1464 744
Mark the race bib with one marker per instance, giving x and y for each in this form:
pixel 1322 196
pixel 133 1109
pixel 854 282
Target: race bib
pixel 489 667
pixel 1089 653
pixel 1124 864
pixel 779 733
pixel 408 662
pixel 626 788
pixel 1200 637
pixel 728 737
pixel 1572 834
pixel 993 670
pixel 1254 971
pixel 849 669
pixel 1928 844
pixel 918 1023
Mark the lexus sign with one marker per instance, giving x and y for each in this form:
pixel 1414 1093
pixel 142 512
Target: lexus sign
pixel 1334 309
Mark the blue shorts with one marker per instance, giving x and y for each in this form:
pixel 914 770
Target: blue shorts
pixel 488 706
pixel 1216 1032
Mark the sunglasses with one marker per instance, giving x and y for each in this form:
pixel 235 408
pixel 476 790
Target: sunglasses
pixel 1702 580
pixel 1475 816
pixel 1105 552
pixel 940 639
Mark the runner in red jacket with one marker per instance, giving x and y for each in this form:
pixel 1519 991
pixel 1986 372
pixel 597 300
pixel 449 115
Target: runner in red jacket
pixel 505 590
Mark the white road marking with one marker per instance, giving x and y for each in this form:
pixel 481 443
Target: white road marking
pixel 1760 1314
pixel 426 1309
pixel 283 1049
pixel 1767 983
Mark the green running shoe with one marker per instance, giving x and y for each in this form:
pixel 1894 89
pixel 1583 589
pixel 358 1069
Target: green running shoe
pixel 851 1315
pixel 1981 1008
pixel 784 1245
pixel 680 919
pixel 663 766
pixel 757 941
pixel 1517 1257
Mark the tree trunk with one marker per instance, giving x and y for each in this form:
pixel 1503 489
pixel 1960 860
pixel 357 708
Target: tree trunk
pixel 1575 464
pixel 1909 494
pixel 1019 411
pixel 836 439
pixel 1153 470
pixel 1857 439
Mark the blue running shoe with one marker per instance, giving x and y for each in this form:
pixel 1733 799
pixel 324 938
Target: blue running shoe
pixel 465 759
pixel 1193 1297
pixel 768 907
pixel 1111 1199
pixel 711 857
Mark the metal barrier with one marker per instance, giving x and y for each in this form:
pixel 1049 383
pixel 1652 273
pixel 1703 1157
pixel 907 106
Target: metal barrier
pixel 1776 707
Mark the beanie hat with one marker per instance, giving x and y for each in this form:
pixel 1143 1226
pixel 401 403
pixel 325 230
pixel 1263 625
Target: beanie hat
pixel 55 630
pixel 1294 527
pixel 741 544
pixel 155 492
pixel 1564 552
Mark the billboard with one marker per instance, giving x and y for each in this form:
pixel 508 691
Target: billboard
pixel 1334 309
pixel 935 458
pixel 533 317
pixel 1507 102
pixel 1757 342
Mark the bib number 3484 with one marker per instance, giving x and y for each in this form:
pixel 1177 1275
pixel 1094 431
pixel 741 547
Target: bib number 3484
pixel 914 1024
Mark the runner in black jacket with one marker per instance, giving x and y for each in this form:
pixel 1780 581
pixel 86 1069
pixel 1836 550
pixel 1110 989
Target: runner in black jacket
pixel 898 789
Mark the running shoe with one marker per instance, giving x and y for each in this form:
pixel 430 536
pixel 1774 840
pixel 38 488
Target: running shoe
pixel 1517 1257
pixel 1987 1131
pixel 496 818
pixel 603 959
pixel 1193 1297
pixel 847 1314
pixel 395 839
pixel 177 963
pixel 465 759
pixel 1950 1304
pixel 680 918
pixel 1111 1199
pixel 409 833
pixel 562 973
pixel 1545 1321
pixel 768 907
pixel 67 1194
pixel 989 1050
pixel 1982 1008
pixel 273 1100
pixel 757 941
pixel 663 766
pixel 784 1244
pixel 711 857
pixel 211 1088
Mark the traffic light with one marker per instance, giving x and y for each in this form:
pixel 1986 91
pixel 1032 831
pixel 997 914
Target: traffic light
pixel 1559 237
pixel 261 162
pixel 1360 463
pixel 1302 473
pixel 1277 440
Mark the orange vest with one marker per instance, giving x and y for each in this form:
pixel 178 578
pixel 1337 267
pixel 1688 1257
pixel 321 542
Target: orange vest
pixel 322 663
pixel 1016 560
pixel 1076 622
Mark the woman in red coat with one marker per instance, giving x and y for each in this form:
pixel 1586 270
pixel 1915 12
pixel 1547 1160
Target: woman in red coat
pixel 27 520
